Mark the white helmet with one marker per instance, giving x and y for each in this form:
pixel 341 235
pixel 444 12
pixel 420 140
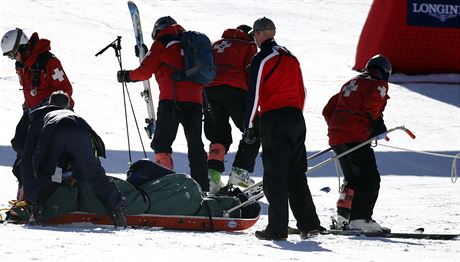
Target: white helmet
pixel 11 42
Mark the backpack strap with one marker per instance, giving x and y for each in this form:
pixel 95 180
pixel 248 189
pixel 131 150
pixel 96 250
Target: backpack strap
pixel 42 60
pixel 40 66
pixel 205 204
pixel 166 39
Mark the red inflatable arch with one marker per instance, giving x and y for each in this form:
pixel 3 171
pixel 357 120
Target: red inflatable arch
pixel 417 36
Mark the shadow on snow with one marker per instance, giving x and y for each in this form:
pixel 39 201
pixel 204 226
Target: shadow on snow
pixel 390 163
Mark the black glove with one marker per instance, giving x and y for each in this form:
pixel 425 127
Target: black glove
pixel 378 127
pixel 123 76
pixel 136 49
pixel 249 136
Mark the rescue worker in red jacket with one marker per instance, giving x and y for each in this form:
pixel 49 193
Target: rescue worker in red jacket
pixel 179 101
pixel 276 87
pixel 353 116
pixel 40 74
pixel 226 96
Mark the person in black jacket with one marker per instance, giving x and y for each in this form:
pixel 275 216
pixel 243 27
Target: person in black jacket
pixel 60 140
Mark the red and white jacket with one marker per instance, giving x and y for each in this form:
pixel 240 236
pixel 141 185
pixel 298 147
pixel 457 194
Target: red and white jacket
pixel 232 55
pixel 39 82
pixel 275 81
pixel 350 113
pixel 165 58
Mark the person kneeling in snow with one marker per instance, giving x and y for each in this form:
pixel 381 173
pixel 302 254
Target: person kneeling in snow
pixel 59 139
pixel 353 116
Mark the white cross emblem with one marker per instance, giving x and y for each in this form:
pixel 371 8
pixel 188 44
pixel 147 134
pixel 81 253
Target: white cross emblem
pixel 220 48
pixel 349 88
pixel 382 90
pixel 58 74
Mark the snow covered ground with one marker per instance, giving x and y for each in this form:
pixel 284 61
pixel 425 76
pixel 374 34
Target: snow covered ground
pixel 416 189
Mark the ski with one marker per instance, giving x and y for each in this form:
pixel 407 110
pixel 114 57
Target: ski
pixel 417 234
pixel 147 93
pixel 406 235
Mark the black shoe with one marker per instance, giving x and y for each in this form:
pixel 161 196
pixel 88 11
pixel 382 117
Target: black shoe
pixel 311 233
pixel 119 218
pixel 267 234
pixel 118 214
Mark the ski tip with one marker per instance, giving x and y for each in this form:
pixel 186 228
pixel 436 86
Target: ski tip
pixel 326 189
pixel 131 3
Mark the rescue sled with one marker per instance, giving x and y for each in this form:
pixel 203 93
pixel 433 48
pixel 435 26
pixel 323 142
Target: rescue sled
pixel 173 201
pixel 195 223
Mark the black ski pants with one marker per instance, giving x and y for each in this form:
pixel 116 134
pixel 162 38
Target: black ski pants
pixel 229 102
pixel 18 143
pixel 189 114
pixel 360 170
pixel 284 160
pixel 74 144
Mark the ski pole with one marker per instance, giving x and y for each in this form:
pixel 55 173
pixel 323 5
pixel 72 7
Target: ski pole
pixel 116 45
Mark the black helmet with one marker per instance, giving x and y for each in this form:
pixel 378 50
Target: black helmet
pixel 161 24
pixel 244 28
pixel 381 64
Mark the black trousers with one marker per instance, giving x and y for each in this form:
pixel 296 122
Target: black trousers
pixel 284 159
pixel 18 143
pixel 229 102
pixel 189 114
pixel 360 170
pixel 74 144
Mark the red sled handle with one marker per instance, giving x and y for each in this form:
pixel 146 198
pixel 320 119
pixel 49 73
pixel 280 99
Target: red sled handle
pixel 404 129
pixel 409 133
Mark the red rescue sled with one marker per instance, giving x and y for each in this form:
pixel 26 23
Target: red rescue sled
pixel 197 223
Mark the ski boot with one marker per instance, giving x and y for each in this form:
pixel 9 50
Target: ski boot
pixel 118 214
pixel 367 225
pixel 215 184
pixel 240 177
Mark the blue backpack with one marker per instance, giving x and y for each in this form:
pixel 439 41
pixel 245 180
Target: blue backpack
pixel 199 64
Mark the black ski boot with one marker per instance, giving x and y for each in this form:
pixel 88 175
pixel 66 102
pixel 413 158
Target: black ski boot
pixel 305 234
pixel 268 234
pixel 118 214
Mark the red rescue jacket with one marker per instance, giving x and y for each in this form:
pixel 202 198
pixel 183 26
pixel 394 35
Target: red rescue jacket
pixel 39 82
pixel 350 113
pixel 232 55
pixel 165 58
pixel 275 81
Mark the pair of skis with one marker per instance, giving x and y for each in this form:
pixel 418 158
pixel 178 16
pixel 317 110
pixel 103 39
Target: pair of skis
pixel 147 92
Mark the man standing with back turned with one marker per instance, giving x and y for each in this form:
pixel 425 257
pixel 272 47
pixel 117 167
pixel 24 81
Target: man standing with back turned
pixel 276 86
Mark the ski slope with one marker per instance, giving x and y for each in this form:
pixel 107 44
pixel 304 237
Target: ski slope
pixel 416 189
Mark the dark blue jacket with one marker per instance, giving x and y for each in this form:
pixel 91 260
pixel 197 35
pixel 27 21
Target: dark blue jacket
pixel 43 121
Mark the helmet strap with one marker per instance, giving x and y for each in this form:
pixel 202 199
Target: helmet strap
pixel 14 51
